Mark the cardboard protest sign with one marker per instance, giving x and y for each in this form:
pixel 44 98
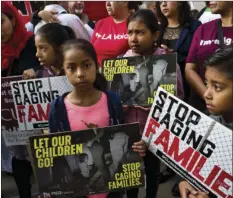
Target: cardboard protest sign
pixel 32 100
pixel 10 129
pixel 137 78
pixel 86 162
pixel 195 146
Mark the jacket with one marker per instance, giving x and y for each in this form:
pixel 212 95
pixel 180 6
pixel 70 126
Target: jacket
pixel 58 119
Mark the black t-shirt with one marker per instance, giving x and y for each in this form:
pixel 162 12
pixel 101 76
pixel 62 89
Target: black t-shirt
pixel 170 37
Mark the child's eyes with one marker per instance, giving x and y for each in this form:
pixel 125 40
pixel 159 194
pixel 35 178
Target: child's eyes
pixel 42 48
pixel 87 65
pixel 69 67
pixel 217 88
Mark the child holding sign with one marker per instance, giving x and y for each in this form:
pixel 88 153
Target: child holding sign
pixel 218 98
pixel 88 104
pixel 143 32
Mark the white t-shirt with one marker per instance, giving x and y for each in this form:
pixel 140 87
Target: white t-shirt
pixel 70 20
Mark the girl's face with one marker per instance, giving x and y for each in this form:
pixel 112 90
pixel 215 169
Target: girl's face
pixel 44 52
pixel 7 28
pixel 80 69
pixel 169 8
pixel 140 38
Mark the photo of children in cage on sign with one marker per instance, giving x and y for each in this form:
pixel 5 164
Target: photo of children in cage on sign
pixel 88 162
pixel 137 78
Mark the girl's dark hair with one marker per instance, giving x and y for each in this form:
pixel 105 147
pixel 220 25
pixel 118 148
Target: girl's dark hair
pixel 8 15
pixel 134 5
pixel 222 60
pixel 147 17
pixel 84 45
pixel 184 14
pixel 56 34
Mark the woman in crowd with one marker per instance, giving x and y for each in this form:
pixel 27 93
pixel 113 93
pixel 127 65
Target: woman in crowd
pixel 207 39
pixel 110 37
pixel 177 30
pixel 18 58
pixel 18 46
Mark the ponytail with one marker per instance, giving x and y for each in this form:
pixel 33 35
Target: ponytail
pixel 100 82
pixel 70 32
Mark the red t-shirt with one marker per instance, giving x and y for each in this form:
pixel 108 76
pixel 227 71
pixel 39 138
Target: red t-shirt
pixel 205 43
pixel 110 39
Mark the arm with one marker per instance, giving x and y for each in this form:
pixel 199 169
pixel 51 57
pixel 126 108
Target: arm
pixel 47 16
pixel 191 68
pixel 185 189
pixel 194 79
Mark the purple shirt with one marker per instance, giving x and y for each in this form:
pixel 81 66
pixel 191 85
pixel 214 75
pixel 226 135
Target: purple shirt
pixel 205 43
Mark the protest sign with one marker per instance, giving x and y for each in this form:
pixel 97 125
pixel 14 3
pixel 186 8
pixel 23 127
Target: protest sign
pixel 10 130
pixel 86 162
pixel 195 146
pixel 32 100
pixel 137 78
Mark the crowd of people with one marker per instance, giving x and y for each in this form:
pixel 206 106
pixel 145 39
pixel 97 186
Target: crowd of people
pixel 62 40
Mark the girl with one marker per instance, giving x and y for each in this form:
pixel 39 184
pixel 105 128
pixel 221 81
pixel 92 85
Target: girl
pixel 143 32
pixel 76 110
pixel 48 40
pixel 17 45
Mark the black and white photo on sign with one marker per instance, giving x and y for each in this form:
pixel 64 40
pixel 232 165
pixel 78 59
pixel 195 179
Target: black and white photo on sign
pixel 149 73
pixel 104 151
